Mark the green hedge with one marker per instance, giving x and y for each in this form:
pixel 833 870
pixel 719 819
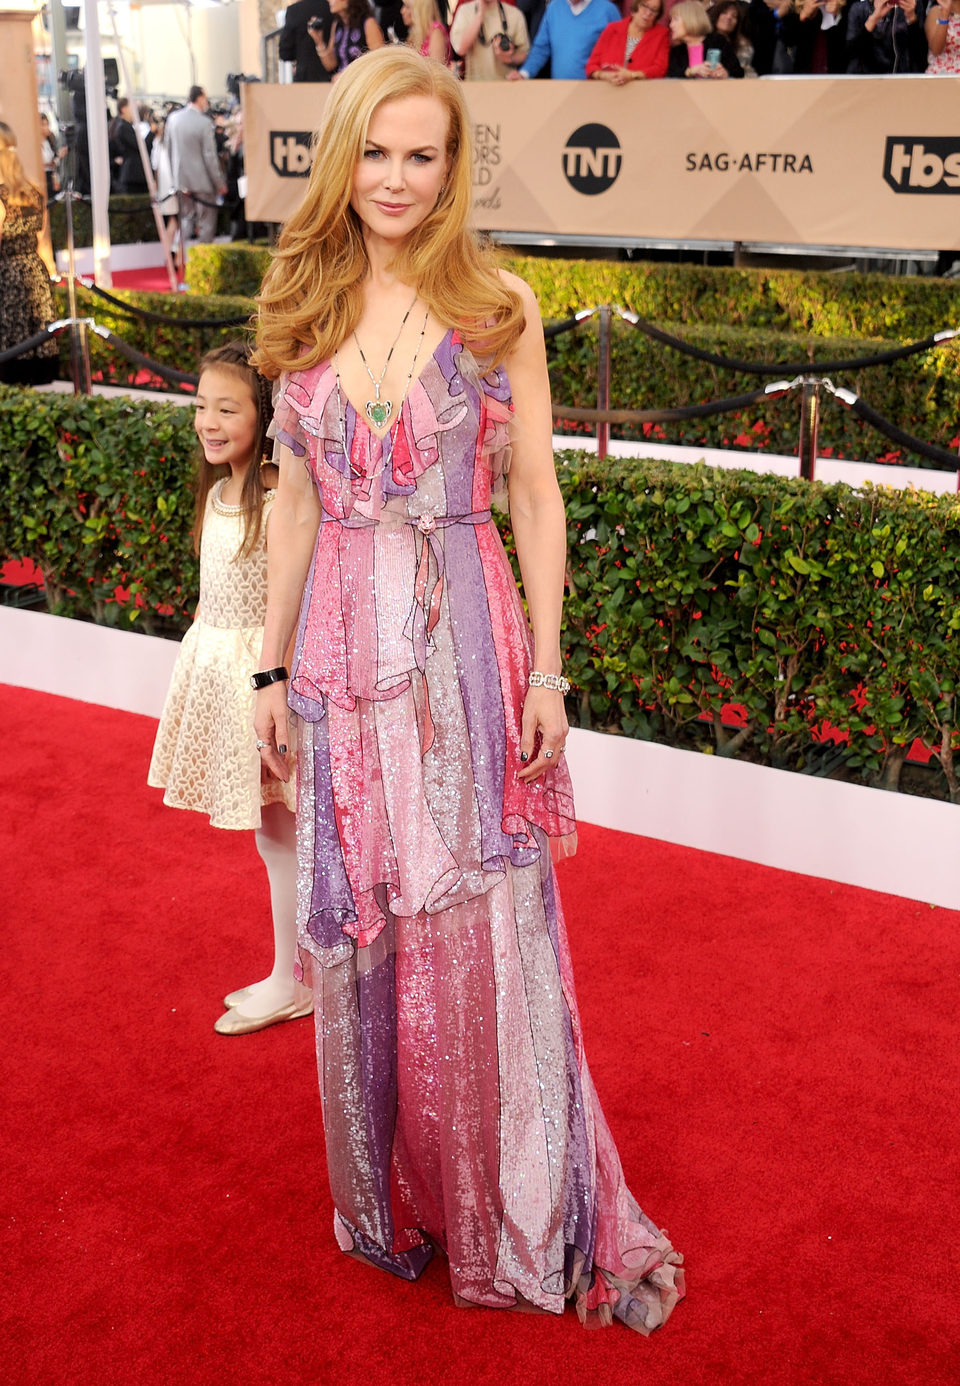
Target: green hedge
pixel 799 605
pixel 131 219
pixel 802 605
pixel 921 394
pixel 98 492
pixel 901 307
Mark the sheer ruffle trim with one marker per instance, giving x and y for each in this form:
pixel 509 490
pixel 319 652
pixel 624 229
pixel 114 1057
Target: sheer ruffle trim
pixel 359 473
pixel 642 1296
pixel 334 928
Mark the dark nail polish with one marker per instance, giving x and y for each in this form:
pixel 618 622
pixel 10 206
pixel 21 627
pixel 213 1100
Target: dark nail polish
pixel 282 750
pixel 524 757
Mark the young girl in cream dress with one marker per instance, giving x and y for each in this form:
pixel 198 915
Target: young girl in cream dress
pixel 205 755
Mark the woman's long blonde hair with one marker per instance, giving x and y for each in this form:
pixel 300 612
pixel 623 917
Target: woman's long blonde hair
pixel 312 295
pixel 16 189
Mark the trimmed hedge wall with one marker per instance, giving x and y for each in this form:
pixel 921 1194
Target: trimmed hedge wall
pixel 901 307
pixel 721 611
pixel 921 394
pixel 130 215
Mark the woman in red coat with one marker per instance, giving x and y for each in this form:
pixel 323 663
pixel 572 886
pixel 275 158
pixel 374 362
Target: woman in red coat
pixel 632 48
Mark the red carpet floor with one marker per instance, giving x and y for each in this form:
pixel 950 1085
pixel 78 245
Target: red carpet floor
pixel 777 1056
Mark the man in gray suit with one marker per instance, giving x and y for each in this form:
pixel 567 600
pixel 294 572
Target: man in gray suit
pixel 196 170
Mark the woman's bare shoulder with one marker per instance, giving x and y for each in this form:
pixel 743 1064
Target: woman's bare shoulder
pixel 521 287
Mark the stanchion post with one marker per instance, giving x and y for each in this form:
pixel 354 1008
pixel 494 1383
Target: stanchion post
pixel 79 350
pixel 809 426
pixel 603 377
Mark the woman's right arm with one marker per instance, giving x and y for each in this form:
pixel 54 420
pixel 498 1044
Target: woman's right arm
pixel 326 52
pixel 936 29
pixel 291 535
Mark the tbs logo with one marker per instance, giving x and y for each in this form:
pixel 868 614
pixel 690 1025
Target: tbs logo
pixel 922 165
pixel 290 153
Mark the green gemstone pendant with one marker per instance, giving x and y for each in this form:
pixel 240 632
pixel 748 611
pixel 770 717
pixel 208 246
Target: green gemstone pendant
pixel 378 411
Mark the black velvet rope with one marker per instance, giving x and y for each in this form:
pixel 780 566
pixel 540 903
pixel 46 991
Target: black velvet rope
pixel 555 328
pixel 149 315
pixel 882 358
pixel 687 411
pixel 948 461
pixel 30 344
pixel 137 358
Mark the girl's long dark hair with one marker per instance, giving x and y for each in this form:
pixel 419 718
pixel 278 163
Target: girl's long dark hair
pixel 234 359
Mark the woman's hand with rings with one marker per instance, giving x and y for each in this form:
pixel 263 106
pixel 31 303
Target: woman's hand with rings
pixel 543 712
pixel 272 728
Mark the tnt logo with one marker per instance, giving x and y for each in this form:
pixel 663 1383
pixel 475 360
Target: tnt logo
pixel 929 165
pixel 290 153
pixel 592 159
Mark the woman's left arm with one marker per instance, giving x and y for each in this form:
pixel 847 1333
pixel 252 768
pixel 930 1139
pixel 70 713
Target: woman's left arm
pixel 373 34
pixel 540 531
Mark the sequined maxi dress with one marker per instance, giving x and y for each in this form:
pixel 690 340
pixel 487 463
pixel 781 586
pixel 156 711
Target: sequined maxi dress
pixel 457 1103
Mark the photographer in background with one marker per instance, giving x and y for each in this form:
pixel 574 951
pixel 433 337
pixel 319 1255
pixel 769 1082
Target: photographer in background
pixel 296 41
pixel 886 37
pixel 491 37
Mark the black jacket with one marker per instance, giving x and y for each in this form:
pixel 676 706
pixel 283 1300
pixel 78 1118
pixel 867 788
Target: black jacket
pixel 296 45
pixel 894 45
pixel 132 178
pixel 801 38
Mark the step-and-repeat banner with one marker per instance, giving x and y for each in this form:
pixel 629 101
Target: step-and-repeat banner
pixel 800 161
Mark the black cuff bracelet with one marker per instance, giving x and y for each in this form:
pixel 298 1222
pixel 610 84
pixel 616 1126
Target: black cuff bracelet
pixel 268 676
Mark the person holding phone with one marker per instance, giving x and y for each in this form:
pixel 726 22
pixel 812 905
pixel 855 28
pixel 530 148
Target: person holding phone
pixel 883 37
pixel 942 26
pixel 632 49
pixel 490 37
pixel 697 49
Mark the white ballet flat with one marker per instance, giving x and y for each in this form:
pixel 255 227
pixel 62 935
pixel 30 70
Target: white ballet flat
pixel 231 1023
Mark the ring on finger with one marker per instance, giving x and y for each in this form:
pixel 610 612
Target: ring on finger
pixel 262 744
pixel 548 755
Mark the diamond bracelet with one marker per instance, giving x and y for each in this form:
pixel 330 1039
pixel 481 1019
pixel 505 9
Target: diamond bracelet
pixel 555 681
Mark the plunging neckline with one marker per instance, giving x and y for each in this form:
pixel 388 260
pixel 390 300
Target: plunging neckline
pixel 360 415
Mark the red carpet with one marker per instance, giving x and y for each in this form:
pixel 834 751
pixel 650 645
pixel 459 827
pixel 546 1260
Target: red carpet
pixel 778 1058
pixel 153 279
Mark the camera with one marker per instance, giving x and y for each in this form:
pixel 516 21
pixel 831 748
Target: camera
pixel 233 83
pixel 503 42
pixel 72 79
pixel 315 25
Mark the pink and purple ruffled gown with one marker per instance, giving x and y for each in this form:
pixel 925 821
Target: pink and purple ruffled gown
pixel 458 1108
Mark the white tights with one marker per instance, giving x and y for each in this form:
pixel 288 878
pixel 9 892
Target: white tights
pixel 276 840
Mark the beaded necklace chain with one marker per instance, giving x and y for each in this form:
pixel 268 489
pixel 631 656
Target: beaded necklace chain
pixel 341 412
pixel 378 410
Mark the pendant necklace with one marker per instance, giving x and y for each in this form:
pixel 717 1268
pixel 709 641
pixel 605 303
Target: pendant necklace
pixel 378 410
pixel 385 405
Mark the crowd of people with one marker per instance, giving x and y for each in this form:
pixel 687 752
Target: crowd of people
pixel 514 40
pixel 195 153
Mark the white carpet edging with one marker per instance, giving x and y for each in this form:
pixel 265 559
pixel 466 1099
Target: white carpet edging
pixel 864 837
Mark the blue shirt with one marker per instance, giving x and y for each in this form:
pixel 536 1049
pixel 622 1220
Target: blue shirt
pixel 567 39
